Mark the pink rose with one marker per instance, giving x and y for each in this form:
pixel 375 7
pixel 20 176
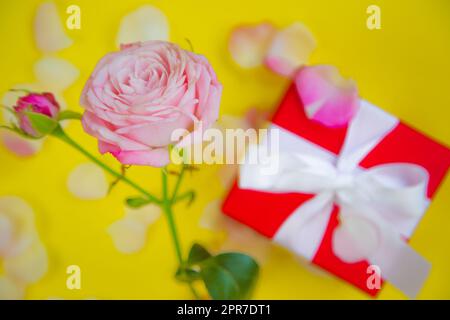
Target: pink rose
pixel 43 103
pixel 138 96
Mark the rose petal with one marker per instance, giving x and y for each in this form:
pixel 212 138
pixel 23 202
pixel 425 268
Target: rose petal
pixel 6 233
pixel 158 157
pixel 128 235
pixel 55 74
pixel 212 218
pixel 18 217
pixel 327 97
pixel 146 214
pixel 355 239
pixel 290 49
pixel 145 23
pixel 10 289
pixel 19 145
pixel 29 266
pixel 48 29
pixel 248 44
pixel 88 182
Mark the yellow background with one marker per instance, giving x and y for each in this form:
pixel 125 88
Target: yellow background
pixel 404 67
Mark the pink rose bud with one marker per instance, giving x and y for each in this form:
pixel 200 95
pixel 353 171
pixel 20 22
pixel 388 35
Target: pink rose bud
pixel 136 97
pixel 42 103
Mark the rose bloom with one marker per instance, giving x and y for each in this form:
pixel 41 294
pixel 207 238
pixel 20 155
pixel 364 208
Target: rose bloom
pixel 43 103
pixel 136 97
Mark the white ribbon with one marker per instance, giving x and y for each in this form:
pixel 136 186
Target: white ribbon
pixel 379 207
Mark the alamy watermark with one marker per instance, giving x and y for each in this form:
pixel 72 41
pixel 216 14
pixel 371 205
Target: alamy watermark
pixel 229 146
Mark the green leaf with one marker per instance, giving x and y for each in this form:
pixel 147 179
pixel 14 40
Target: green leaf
pixel 67 115
pixel 229 275
pixel 197 254
pixel 190 196
pixel 137 202
pixel 41 123
pixel 187 275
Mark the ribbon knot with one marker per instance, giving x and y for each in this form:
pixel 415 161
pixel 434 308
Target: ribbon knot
pixel 343 181
pixel 377 208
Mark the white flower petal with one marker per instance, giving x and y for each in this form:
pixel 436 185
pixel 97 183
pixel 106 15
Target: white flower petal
pixel 213 218
pixel 128 235
pixel 242 238
pixel 18 217
pixel 146 214
pixel 6 233
pixel 55 74
pixel 88 182
pixel 145 23
pixel 290 49
pixel 29 266
pixel 248 44
pixel 48 29
pixel 10 289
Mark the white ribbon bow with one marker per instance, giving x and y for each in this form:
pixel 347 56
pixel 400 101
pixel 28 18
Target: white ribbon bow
pixel 378 208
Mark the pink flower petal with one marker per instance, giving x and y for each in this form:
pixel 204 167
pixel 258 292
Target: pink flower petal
pixel 248 44
pixel 19 145
pixel 327 97
pixel 290 49
pixel 158 157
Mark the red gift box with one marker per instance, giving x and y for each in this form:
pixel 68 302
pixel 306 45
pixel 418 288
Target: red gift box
pixel 266 211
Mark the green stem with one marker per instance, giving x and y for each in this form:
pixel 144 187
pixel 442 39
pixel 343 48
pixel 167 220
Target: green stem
pixel 166 203
pixel 167 206
pixel 59 133
pixel 178 183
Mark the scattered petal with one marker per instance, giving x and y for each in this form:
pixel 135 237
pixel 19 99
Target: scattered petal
pixel 242 238
pixel 227 174
pixel 88 182
pixel 6 233
pixel 355 239
pixel 29 266
pixel 212 217
pixel 327 97
pixel 146 214
pixel 19 145
pixel 248 44
pixel 128 235
pixel 48 29
pixel 55 74
pixel 10 289
pixel 290 49
pixel 17 219
pixel 144 24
